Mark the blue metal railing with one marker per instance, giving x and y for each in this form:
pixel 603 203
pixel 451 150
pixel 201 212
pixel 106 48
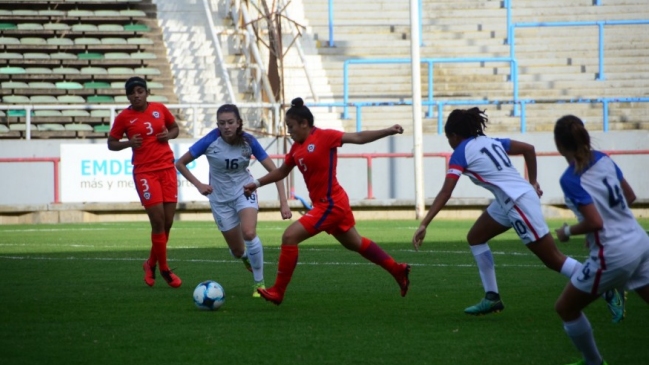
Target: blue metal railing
pixel 600 24
pixel 522 103
pixel 513 65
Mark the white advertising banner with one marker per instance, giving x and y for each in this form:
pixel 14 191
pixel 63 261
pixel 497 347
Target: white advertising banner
pixel 94 174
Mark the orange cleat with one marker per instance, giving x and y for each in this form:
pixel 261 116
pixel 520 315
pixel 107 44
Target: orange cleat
pixel 402 278
pixel 271 295
pixel 149 273
pixel 172 279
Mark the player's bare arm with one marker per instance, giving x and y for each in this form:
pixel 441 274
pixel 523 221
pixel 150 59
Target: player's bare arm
pixel 371 136
pixel 440 201
pixel 181 166
pixel 170 133
pixel 627 190
pixel 285 210
pixel 592 222
pixel 116 145
pixel 271 177
pixel 529 154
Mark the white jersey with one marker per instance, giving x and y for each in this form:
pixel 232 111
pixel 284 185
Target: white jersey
pixel 485 161
pixel 622 238
pixel 228 164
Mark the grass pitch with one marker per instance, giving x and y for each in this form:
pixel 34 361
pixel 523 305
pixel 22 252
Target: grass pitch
pixel 74 294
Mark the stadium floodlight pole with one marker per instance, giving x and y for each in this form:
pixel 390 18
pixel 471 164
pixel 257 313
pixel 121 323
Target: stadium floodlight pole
pixel 416 108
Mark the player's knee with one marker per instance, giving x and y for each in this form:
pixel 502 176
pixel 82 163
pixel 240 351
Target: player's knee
pixel 237 252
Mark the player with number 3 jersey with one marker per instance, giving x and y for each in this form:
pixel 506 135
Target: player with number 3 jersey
pixel 148 128
pixel 486 162
pixel 597 192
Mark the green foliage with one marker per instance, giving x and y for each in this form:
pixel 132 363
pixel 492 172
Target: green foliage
pixel 74 294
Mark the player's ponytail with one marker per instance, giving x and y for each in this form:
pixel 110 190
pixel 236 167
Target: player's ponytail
pixel 300 112
pixel 571 135
pixel 466 123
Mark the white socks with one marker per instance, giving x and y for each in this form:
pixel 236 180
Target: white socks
pixel 570 266
pixel 581 334
pixel 486 266
pixel 256 256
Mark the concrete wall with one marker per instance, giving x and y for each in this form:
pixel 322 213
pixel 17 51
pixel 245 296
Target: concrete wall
pixel 392 179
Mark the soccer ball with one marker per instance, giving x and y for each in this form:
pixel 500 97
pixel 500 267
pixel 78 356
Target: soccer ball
pixel 209 295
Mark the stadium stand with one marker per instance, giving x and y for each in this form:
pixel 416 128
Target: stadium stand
pixel 59 52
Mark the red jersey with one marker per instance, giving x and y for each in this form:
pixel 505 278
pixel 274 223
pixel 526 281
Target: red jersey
pixel 317 158
pixel 152 154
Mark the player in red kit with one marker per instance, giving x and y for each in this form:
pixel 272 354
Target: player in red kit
pixel 148 128
pixel 315 155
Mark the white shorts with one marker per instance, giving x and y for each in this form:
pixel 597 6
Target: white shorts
pixel 626 274
pixel 226 215
pixel 526 217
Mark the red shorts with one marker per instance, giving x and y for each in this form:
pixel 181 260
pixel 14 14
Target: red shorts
pixel 157 187
pixel 333 219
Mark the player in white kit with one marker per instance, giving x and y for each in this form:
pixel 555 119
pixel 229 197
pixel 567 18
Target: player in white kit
pixel 228 150
pixel 486 162
pixel 596 191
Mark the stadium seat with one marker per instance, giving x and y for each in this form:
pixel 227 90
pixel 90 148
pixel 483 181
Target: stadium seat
pixel 38 70
pixel 15 99
pixel 55 41
pixel 154 85
pixel 103 128
pixel 36 55
pixel 47 113
pixel 147 71
pixel 143 55
pixel 41 85
pixel 100 113
pixel 33 41
pixel 9 40
pixel 140 40
pixel 75 113
pixel 158 98
pixel 121 99
pixel 68 85
pixel 81 13
pixel 17 113
pixel 117 56
pixel 63 56
pixel 132 13
pixel 12 70
pixel 3 128
pixel 10 56
pixel 24 12
pixel 78 127
pixel 110 28
pixel 120 71
pixel 95 99
pixel 136 27
pixel 43 99
pixel 65 70
pixel 13 85
pixel 87 41
pixel 51 12
pixel 113 40
pixel 8 26
pixel 93 70
pixel 21 127
pixel 71 99
pixel 90 56
pixel 50 127
pixel 84 28
pixel 56 26
pixel 29 26
pixel 96 85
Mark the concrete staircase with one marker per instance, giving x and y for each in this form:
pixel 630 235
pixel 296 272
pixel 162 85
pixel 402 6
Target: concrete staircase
pixel 554 63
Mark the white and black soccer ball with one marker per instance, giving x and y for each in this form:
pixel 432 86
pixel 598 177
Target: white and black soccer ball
pixel 209 295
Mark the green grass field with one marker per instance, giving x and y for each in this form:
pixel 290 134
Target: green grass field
pixel 74 294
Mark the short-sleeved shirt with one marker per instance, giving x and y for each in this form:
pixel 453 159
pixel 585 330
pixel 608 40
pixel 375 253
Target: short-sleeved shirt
pixel 152 154
pixel 601 184
pixel 228 163
pixel 317 159
pixel 486 162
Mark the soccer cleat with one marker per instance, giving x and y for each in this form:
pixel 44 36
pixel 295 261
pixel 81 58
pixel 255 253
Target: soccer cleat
pixel 172 279
pixel 491 303
pixel 402 278
pixel 149 273
pixel 616 303
pixel 583 362
pixel 255 286
pixel 246 263
pixel 271 295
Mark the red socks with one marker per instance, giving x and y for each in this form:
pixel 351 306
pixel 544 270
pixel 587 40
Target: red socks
pixel 286 266
pixel 159 249
pixel 372 252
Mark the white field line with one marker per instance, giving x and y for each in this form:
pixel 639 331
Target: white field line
pixel 72 258
pixel 413 229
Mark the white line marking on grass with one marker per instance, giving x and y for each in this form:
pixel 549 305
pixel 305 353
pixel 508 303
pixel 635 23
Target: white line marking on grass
pixel 310 263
